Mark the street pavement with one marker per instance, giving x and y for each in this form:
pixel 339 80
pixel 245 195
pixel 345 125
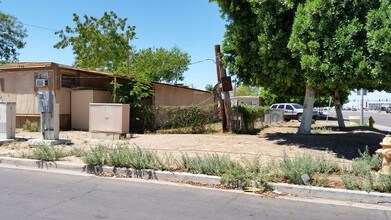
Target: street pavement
pixel 43 195
pixel 382 119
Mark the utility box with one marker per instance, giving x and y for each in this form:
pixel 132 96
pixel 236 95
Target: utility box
pixel 7 120
pixel 80 100
pixel 109 118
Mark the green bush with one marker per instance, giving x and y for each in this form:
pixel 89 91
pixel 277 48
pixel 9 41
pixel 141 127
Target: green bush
pixel 193 118
pixel 210 164
pixel 383 183
pixel 250 174
pixel 249 115
pixel 31 127
pixel 97 156
pixel 361 177
pixel 294 168
pixel 48 153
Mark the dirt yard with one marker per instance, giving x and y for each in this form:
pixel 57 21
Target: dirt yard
pixel 271 144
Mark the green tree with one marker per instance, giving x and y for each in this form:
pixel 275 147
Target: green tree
pixel 245 90
pixel 329 39
pixel 160 65
pixel 12 34
pixel 379 43
pixel 98 43
pixel 209 87
pixel 327 53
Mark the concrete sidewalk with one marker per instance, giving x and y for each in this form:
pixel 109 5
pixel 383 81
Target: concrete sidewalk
pixel 280 188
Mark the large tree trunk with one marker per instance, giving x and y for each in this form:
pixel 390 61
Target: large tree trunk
pixel 338 109
pixel 309 100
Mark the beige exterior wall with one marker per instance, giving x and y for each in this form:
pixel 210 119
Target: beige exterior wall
pixel 19 87
pixel 166 95
pixel 80 100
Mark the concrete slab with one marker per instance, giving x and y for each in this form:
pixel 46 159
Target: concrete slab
pixel 37 142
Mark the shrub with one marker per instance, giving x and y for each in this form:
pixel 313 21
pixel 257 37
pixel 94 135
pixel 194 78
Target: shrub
pixel 210 164
pixel 360 176
pixel 31 127
pixel 383 183
pixel 97 156
pixel 293 169
pixel 194 118
pixel 251 174
pixel 249 115
pixel 78 152
pixel 48 153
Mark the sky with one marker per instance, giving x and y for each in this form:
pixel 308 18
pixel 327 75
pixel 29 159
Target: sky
pixel 195 26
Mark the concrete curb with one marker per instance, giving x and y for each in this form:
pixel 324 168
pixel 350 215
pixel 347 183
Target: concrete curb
pixel 330 193
pixel 304 191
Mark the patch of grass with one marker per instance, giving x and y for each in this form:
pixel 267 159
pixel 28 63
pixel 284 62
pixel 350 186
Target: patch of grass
pixel 321 130
pixel 294 168
pixel 48 153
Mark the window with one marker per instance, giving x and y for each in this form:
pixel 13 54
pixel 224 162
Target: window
pixel 273 107
pixel 281 106
pixel 289 107
pixel 68 80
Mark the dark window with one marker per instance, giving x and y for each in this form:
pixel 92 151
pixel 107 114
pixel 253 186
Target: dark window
pixel 281 107
pixel 273 107
pixel 289 107
pixel 68 80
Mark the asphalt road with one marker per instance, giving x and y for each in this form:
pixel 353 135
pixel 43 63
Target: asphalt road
pixel 41 195
pixel 382 119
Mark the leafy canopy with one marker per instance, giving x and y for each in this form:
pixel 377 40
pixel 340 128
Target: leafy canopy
pixel 160 65
pixel 378 29
pixel 98 43
pixel 12 34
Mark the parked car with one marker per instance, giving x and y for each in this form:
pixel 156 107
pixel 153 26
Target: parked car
pixel 292 111
pixel 388 109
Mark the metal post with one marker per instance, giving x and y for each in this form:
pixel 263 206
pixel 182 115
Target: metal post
pixel 362 107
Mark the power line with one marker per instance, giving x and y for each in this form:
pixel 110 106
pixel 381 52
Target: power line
pixel 201 61
pixel 39 27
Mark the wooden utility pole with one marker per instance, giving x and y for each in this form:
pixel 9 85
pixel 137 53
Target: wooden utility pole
pixel 224 97
pixel 219 89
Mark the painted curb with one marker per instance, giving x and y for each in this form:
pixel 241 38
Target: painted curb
pixel 304 191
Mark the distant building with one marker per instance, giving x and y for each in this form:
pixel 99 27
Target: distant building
pixel 245 100
pixel 377 105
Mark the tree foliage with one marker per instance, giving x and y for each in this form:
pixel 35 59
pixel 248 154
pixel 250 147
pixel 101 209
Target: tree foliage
pixel 98 42
pixel 322 45
pixel 160 65
pixel 378 29
pixel 255 44
pixel 12 34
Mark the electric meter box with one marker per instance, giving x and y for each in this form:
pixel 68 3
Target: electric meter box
pixel 7 120
pixel 45 101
